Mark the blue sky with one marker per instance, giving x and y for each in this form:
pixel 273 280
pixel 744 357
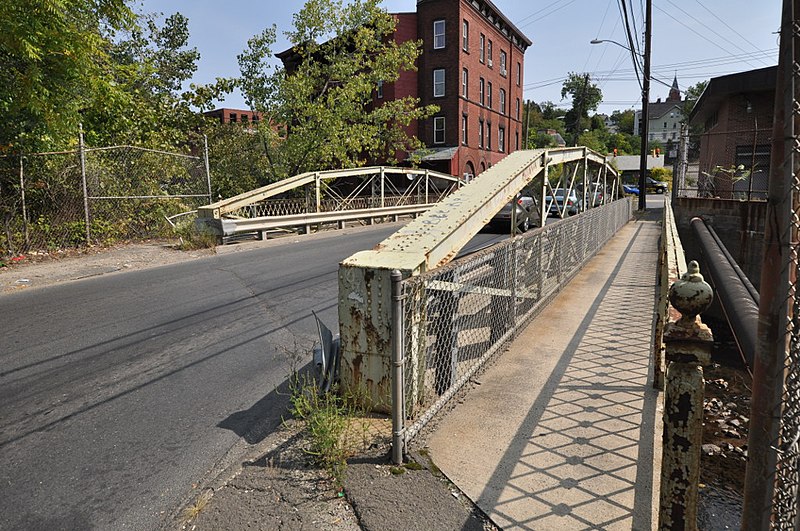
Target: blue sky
pixel 693 39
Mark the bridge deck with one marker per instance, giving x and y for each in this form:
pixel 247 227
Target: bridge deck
pixel 562 431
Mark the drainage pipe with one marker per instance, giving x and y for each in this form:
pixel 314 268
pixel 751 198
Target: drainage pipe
pixel 737 296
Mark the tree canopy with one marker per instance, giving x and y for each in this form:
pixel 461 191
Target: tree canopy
pixel 586 96
pixel 340 55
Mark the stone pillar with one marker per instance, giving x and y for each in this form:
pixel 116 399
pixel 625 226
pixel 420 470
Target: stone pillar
pixel 688 347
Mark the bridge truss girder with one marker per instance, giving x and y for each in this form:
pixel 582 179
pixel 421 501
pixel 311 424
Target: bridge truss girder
pixel 432 240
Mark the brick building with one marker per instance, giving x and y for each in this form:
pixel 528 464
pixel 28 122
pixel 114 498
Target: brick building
pixel 736 112
pixel 471 66
pixel 227 116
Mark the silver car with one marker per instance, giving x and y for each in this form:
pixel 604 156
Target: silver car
pixel 563 203
pixel 527 214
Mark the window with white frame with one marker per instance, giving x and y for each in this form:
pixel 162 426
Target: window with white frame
pixel 503 71
pixel 438 83
pixel 502 101
pixel 465 83
pixel 480 133
pixel 501 140
pixel 465 36
pixel 438 129
pixel 489 94
pixel 488 135
pixel 516 109
pixel 481 91
pixel 482 55
pixel 519 73
pixel 489 52
pixel 438 34
pixel 464 130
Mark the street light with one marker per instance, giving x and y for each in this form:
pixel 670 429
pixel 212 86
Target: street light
pixel 645 129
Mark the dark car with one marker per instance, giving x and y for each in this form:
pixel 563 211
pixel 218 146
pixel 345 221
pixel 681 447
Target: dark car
pixel 658 187
pixel 527 214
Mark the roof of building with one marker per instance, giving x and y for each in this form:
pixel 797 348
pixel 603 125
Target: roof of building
pixel 429 154
pixel 633 162
pixel 503 20
pixel 760 80
pixel 661 108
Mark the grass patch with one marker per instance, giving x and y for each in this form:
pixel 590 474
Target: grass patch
pixel 190 238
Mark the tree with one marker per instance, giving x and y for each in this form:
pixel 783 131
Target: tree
pixel 53 61
pixel 586 96
pixel 542 117
pixel 325 99
pixel 623 120
pixel 692 95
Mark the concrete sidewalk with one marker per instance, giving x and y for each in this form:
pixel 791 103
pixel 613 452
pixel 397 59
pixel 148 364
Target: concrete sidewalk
pixel 561 432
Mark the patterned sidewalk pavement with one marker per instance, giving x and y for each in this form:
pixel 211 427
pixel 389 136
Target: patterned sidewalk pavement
pixel 561 432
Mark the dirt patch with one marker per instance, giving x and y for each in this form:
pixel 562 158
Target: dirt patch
pixel 45 269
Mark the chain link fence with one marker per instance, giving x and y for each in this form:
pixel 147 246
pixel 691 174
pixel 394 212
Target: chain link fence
pixel 459 316
pixel 58 200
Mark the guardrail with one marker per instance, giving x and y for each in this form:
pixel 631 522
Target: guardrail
pixel 372 192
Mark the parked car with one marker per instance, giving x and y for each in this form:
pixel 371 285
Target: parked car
pixel 527 214
pixel 594 196
pixel 658 187
pixel 630 189
pixel 562 196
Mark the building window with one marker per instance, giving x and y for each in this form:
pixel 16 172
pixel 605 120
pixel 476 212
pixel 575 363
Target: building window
pixel 481 90
pixel 502 101
pixel 233 117
pixel 489 94
pixel 438 83
pixel 501 140
pixel 244 118
pixel 438 34
pixel 519 73
pixel 503 71
pixel 488 135
pixel 464 130
pixel 516 109
pixel 380 89
pixel 465 36
pixel 674 135
pixel 663 136
pixel 255 118
pixel 482 55
pixel 665 125
pixel 489 52
pixel 480 133
pixel 438 130
pixel 516 140
pixel 465 83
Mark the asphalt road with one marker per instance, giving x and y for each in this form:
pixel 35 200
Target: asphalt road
pixel 119 393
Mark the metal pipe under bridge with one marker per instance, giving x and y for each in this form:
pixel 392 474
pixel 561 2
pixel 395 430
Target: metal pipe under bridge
pixel 433 239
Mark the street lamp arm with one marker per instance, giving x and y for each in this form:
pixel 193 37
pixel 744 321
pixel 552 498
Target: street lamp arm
pixel 601 41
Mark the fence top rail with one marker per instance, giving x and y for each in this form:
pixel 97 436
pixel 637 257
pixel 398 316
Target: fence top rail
pixel 42 154
pixel 146 150
pixel 220 208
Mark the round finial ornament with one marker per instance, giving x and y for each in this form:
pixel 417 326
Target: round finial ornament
pixel 691 295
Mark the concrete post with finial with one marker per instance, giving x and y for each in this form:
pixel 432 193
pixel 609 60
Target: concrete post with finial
pixel 688 347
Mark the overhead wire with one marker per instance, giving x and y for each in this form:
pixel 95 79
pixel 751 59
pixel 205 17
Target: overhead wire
pixel 695 31
pixel 738 34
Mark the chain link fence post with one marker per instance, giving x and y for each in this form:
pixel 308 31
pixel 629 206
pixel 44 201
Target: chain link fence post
pixel 82 153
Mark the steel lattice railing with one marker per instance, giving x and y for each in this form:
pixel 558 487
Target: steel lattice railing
pixel 457 317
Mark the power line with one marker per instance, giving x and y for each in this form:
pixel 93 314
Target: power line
pixel 726 25
pixel 631 48
pixel 695 31
pixel 559 8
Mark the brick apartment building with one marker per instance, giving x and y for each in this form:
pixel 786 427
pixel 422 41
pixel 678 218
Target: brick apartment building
pixel 226 116
pixel 471 66
pixel 736 112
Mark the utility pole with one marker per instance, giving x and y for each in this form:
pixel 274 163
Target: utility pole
pixel 645 129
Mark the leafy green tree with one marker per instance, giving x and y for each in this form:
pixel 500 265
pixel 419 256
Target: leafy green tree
pixel 54 62
pixel 542 117
pixel 623 120
pixel 586 96
pixel 340 54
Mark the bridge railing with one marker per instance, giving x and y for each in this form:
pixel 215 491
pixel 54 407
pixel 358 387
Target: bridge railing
pixel 332 196
pixel 457 317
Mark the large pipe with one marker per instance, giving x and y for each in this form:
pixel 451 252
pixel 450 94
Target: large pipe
pixel 737 296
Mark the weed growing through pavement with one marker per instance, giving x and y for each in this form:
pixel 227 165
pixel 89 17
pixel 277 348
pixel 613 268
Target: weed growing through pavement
pixel 334 423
